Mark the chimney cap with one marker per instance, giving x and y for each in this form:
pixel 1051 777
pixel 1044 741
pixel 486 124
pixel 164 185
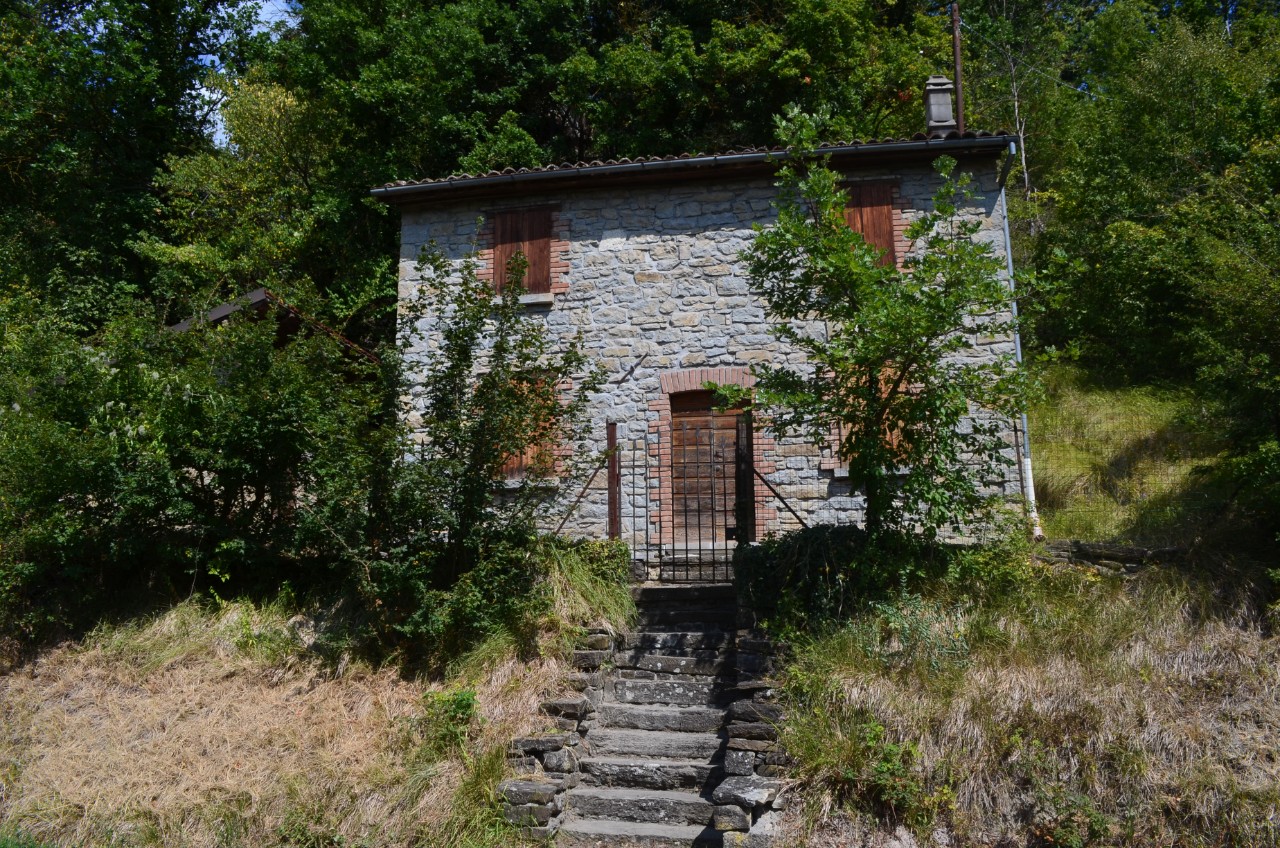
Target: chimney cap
pixel 939 105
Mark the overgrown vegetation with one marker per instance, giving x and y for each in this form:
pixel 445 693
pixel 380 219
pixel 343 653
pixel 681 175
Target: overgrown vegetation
pixel 889 371
pixel 233 724
pixel 149 465
pixel 1005 701
pixel 1141 465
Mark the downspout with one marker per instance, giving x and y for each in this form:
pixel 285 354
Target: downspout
pixel 1028 482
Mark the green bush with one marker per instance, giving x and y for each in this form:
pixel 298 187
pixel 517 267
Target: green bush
pixel 810 581
pixel 143 463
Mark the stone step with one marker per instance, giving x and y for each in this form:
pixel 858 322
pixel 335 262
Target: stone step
pixel 677 642
pixel 603 833
pixel 660 717
pixel 710 595
pixel 639 805
pixel 692 618
pixel 691 691
pixel 640 773
pixel 606 742
pixel 678 572
pixel 695 662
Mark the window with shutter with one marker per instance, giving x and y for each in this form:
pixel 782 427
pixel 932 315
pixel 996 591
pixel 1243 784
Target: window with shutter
pixel 526 231
pixel 536 457
pixel 870 212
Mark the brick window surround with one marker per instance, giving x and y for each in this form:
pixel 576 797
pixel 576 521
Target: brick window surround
pixel 877 210
pixel 693 380
pixel 540 233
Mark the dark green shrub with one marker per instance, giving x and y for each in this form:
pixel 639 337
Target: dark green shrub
pixel 143 463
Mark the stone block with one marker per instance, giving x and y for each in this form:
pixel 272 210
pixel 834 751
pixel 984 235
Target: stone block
pixel 523 765
pixel 739 762
pixel 540 744
pixel 580 681
pixel 755 711
pixel 569 707
pixel 590 659
pixel 598 641
pixel 752 730
pixel 749 792
pixel 530 815
pixel 564 761
pixel 731 817
pixel 519 792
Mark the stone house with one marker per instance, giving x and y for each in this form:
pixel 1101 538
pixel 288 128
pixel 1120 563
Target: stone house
pixel 642 258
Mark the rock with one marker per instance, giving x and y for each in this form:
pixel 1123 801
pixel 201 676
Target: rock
pixel 739 763
pixel 523 765
pixel 731 817
pixel 752 730
pixel 542 744
pixel 569 707
pixel 755 711
pixel 518 792
pixel 532 815
pixel 562 761
pixel 748 690
pixel 746 791
pixel 580 681
pixel 901 838
pixel 597 642
pixel 751 745
pixel 590 659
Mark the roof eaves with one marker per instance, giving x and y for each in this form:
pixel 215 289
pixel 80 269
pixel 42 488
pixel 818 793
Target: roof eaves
pixel 673 166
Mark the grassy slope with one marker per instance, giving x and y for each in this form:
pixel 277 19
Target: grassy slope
pixel 213 727
pixel 1019 705
pixel 1071 710
pixel 1123 464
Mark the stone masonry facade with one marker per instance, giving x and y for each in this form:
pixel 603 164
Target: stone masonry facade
pixel 650 275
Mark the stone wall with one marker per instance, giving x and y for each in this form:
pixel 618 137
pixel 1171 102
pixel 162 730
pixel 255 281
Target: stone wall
pixel 650 276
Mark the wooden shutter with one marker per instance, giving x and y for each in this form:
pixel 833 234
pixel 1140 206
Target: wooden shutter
pixel 526 231
pixel 537 249
pixel 870 212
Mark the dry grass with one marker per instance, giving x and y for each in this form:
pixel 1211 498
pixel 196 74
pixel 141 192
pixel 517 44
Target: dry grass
pixel 213 728
pixel 1076 712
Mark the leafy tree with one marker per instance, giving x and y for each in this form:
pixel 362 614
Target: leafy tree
pixel 94 95
pixel 493 387
pixel 148 463
pixel 1132 157
pixel 920 421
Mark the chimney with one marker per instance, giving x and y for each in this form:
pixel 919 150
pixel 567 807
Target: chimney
pixel 939 106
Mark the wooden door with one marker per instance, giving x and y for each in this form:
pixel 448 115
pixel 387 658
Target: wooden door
pixel 703 485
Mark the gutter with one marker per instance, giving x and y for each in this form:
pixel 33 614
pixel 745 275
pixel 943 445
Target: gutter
pixel 1028 481
pixel 673 169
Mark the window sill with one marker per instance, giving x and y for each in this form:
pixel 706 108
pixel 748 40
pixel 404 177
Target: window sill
pixel 514 484
pixel 538 299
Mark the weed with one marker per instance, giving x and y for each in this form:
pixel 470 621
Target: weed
pixel 18 841
pixel 445 724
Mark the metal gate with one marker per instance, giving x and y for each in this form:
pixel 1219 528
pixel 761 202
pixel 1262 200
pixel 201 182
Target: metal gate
pixel 688 496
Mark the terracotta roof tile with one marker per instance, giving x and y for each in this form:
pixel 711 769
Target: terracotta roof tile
pixel 641 160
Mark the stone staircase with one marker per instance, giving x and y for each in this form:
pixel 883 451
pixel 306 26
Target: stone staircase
pixel 642 759
pixel 657 751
